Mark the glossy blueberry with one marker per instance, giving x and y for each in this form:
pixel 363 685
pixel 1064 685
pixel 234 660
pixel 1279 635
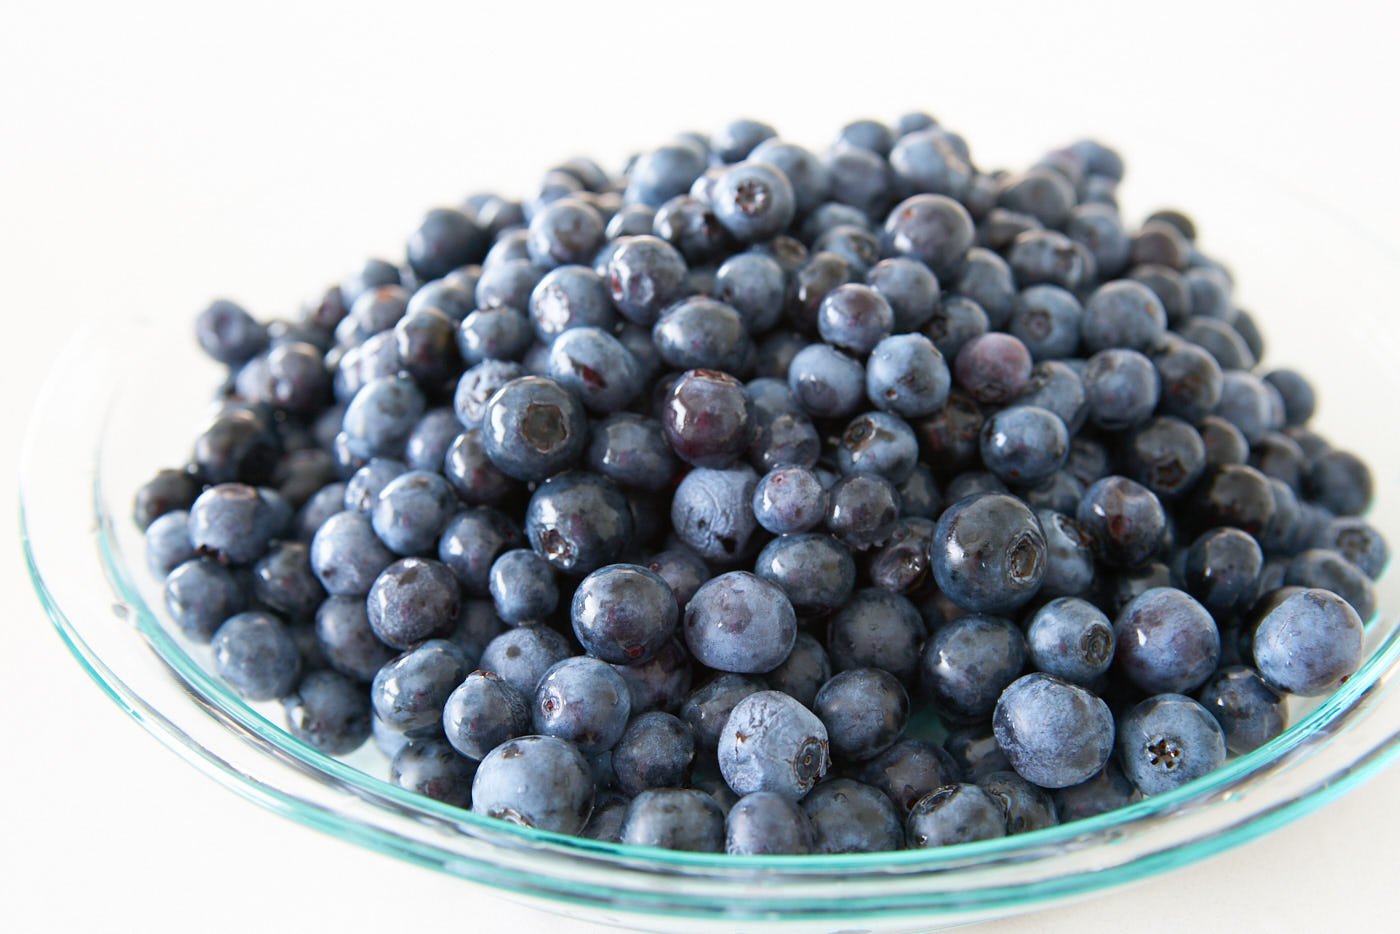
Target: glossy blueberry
pixel 632 451
pixel 428 443
pixel 523 587
pixel 855 318
pixel 233 522
pixel 605 823
pixel 902 565
pixel 568 297
pixel 644 275
pixel 655 752
pixel 535 781
pixel 959 813
pixel 431 768
pixel 1069 554
pixel 1121 388
pixel 409 692
pixel 564 232
pixel 988 553
pixel 329 712
pixel 662 173
pixel 702 333
pixel 1166 642
pixel 256 655
pixel 772 743
pixel 282 581
pixel 753 284
pixel 412 600
pixel 1236 495
pixel 1223 568
pixel 624 614
pixel 1055 734
pixel 469 470
pixel 789 499
pixel 1124 519
pixel 864 711
pixel 708 418
pixel 1048 256
pixel 877 629
pixel 167 491
pixel 1071 639
pixel 534 427
pixel 826 382
pixel 1123 314
pixel 493 333
pixel 908 770
pixel 753 200
pixel 815 570
pixel 1166 455
pixel 1250 713
pixel 707 708
pixel 454 296
pixel 683 571
pixel 712 512
pixel 909 287
pixel 878 443
pixel 595 367
pixel 932 228
pixel 363 489
pixel 168 542
pixel 862 510
pixel 578 522
pixel 929 160
pixel 1046 319
pixel 380 418
pixel 1024 444
pixel 584 701
pixel 741 623
pixel 412 511
pixel 768 824
pixel 1309 643
pixel 347 641
pixel 471 543
pixel 1168 740
pixel 200 595
pixel 676 819
pixel 848 816
pixel 993 368
pixel 967 663
pixel 521 656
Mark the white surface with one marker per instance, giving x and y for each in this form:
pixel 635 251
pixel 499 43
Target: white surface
pixel 153 156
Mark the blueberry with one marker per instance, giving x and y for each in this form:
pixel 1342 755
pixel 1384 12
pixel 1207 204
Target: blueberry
pixel 768 824
pixel 929 160
pixel 789 499
pixel 1124 520
pixel 1341 482
pixel 282 581
pixel 1069 554
pixel 523 587
pixel 329 712
pixel 708 419
pixel 753 200
pixel 1098 228
pixel 1123 314
pixel 859 178
pixel 624 614
pixel 521 656
pixel 578 522
pixel 363 489
pixel 908 770
pixel 584 701
pixel 967 663
pixel 1026 807
pixel 1054 733
pixel 864 711
pixel 772 743
pixel 472 541
pixel 431 768
pixel 167 491
pixel 663 173
pixel 475 479
pixel 985 283
pixel 1356 541
pixel 741 623
pixel 877 629
pixel 753 285
pixel 1309 643
pixel 413 599
pixel 1250 713
pixel 256 655
pixel 445 240
pixel 200 595
pixel 1071 639
pixel 932 228
pixel 535 781
pixel 993 367
pixel 919 496
pixel 1047 320
pixel 810 285
pixel 974 753
pixel 227 333
pixel 880 444
pixel 347 641
pixel 1024 444
pixel 676 819
pixel 1166 455
pixel 1168 740
pixel 855 318
pixel 1048 256
pixel 909 287
pixel 826 382
pixel 848 816
pixel 1166 642
pixel 534 427
pixel 808 176
pixel 1233 494
pixel 988 553
pixel 954 814
pixel 1299 399
pixel 815 570
pixel 712 512
pixel 232 522
pixel 654 752
pixel 409 692
pixel 1042 193
pixel 371 274
pixel 412 511
pixel 862 509
pixel 168 542
pixel 902 565
pixel 568 297
pixel 644 275
pixel 605 823
pixel 682 570
pixel 1223 568
pixel 454 295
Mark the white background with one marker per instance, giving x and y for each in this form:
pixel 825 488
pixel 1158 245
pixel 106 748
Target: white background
pixel 152 156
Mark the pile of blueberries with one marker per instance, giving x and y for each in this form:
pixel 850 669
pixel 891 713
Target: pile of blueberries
pixel 766 501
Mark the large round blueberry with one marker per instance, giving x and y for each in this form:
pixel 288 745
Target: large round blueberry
pixel 740 622
pixel 533 427
pixel 535 781
pixel 767 824
pixel 413 599
pixel 1071 639
pixel 256 655
pixel 708 418
pixel 848 816
pixel 1250 713
pixel 1166 642
pixel 954 814
pixel 712 512
pixel 753 200
pixel 676 819
pixel 877 629
pixel 623 614
pixel 864 710
pixel 1055 734
pixel 329 712
pixel 1168 740
pixel 584 701
pixel 578 522
pixel 1309 643
pixel 772 743
pixel 988 553
pixel 968 662
pixel 815 570
pixel 1124 519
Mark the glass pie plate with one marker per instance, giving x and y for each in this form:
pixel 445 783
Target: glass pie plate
pixel 127 396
